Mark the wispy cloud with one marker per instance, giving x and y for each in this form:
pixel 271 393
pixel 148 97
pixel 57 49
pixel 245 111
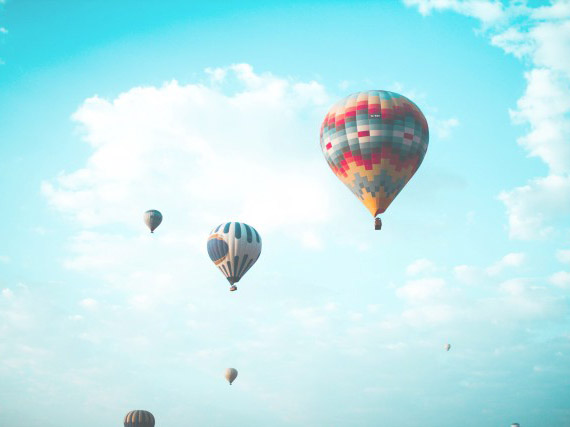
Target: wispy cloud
pixel 488 12
pixel 421 266
pixel 467 274
pixel 515 259
pixel 89 304
pixel 443 128
pixel 421 289
pixel 563 255
pixel 561 279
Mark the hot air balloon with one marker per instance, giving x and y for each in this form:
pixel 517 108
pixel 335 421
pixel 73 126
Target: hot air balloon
pixel 447 347
pixel 152 219
pixel 374 141
pixel 139 418
pixel 234 247
pixel 231 375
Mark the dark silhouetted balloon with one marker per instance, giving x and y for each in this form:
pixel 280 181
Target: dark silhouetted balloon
pixel 139 418
pixel 231 375
pixel 152 219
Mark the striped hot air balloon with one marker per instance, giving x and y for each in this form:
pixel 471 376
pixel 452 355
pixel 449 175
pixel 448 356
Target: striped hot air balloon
pixel 139 418
pixel 374 142
pixel 152 219
pixel 234 247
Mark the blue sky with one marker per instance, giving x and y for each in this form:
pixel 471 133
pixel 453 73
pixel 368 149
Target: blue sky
pixel 211 113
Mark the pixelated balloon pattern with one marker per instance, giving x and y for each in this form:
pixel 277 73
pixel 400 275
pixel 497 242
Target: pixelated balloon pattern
pixel 374 141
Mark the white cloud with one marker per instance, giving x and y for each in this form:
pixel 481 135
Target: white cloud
pixel 421 289
pixel 421 266
pixel 510 260
pixel 309 317
pixel 467 274
pixel 90 337
pixel 563 255
pixel 521 300
pixel 331 306
pixel 487 11
pixel 344 84
pixel 513 41
pixel 311 240
pixel 142 302
pixel 4 259
pixel 95 251
pixel 545 107
pixel 561 279
pixel 532 207
pixel 513 287
pixel 443 128
pixel 556 10
pixel 395 346
pixel 182 147
pixel 216 74
pixel 89 303
pixel 7 293
pixel 355 317
pixel 429 315
pixel 551 40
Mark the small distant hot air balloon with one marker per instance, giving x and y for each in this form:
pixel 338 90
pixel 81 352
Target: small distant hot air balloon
pixel 447 347
pixel 152 219
pixel 139 418
pixel 374 141
pixel 234 247
pixel 231 375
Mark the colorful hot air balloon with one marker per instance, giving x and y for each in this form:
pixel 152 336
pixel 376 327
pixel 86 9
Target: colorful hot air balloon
pixel 139 418
pixel 234 247
pixel 231 375
pixel 374 141
pixel 152 219
pixel 447 347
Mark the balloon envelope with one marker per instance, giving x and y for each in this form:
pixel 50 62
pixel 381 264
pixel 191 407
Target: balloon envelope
pixel 447 347
pixel 234 247
pixel 231 375
pixel 139 418
pixel 374 142
pixel 152 219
